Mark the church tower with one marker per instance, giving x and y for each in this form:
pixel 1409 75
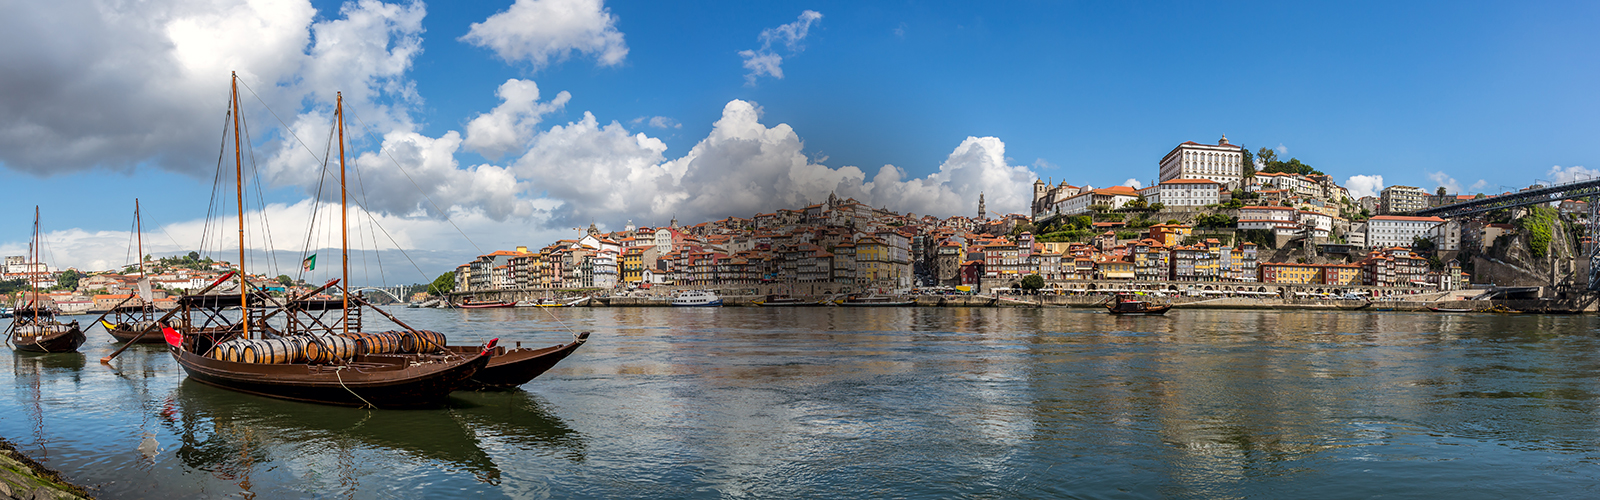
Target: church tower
pixel 982 213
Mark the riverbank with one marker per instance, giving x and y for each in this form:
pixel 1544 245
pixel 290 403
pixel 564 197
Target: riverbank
pixel 21 478
pixel 1420 303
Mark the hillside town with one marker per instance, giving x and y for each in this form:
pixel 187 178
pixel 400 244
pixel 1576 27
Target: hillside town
pixel 1209 217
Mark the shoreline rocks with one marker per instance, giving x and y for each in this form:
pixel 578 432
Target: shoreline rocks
pixel 21 478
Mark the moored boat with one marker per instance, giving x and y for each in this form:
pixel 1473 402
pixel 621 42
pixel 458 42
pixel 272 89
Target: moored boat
pixel 697 298
pixel 874 301
pixel 469 304
pixel 510 368
pixel 1451 309
pixel 1123 305
pixel 309 347
pixel 785 301
pixel 34 327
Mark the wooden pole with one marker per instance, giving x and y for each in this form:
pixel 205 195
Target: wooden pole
pixel 238 167
pixel 344 220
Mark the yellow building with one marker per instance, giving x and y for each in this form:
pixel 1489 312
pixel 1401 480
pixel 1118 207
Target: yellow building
pixel 1284 272
pixel 1170 235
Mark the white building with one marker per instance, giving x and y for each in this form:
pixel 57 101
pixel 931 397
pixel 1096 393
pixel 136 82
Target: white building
pixel 1113 197
pixel 1447 236
pixel 1386 231
pixel 1221 162
pixel 1184 193
pixel 1320 224
pixel 1281 221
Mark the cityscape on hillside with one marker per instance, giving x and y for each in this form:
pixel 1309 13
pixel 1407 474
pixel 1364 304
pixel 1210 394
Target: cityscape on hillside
pixel 1211 216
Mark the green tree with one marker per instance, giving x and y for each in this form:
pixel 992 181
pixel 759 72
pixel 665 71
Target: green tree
pixel 68 280
pixel 443 284
pixel 1249 163
pixel 1157 206
pixel 1440 192
pixel 285 280
pixel 1267 157
pixel 194 257
pixel 1137 204
pixel 1032 282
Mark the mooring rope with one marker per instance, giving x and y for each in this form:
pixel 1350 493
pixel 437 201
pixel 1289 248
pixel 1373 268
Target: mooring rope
pixel 339 372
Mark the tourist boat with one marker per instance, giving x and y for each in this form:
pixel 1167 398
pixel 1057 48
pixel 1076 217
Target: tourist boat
pixel 34 327
pixel 510 368
pixel 697 298
pixel 1124 305
pixel 469 304
pixel 785 301
pixel 316 352
pixel 874 301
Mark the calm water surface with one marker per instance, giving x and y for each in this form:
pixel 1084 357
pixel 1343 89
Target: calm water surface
pixel 876 403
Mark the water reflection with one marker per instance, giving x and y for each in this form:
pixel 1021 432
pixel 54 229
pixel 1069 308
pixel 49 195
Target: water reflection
pixel 913 402
pixel 229 434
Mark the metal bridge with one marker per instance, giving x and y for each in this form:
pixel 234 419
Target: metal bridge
pixel 1587 188
pixel 393 292
pixel 1571 190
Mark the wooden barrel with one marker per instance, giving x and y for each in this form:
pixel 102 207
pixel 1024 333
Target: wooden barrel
pixel 425 341
pixel 272 351
pixel 232 350
pixel 331 348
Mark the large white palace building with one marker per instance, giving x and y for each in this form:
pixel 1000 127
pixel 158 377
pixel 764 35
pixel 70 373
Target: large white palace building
pixel 1221 162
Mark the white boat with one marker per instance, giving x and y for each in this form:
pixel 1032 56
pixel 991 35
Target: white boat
pixel 697 298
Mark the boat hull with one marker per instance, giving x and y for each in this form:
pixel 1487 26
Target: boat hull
pixel 1148 311
pixel 878 304
pixel 488 305
pixel 65 340
pixel 509 369
pixel 383 381
pixel 124 332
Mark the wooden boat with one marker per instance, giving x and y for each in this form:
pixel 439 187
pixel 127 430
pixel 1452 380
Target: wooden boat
pixel 317 351
pixel 510 368
pixel 1127 306
pixel 1450 309
pixel 128 322
pixel 34 327
pixel 468 304
pixel 874 301
pixel 785 301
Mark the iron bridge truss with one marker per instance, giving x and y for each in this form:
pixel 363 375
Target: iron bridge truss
pixel 1588 188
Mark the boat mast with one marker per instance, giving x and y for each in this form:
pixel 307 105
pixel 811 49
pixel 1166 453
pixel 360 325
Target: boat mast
pixel 33 274
pixel 238 167
pixel 139 225
pixel 344 219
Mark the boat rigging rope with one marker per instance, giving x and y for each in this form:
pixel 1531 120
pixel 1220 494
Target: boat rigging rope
pixel 558 321
pixel 339 372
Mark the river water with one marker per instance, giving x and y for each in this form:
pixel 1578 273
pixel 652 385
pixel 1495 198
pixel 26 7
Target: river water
pixel 876 403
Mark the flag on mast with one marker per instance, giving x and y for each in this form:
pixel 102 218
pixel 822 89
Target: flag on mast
pixel 310 264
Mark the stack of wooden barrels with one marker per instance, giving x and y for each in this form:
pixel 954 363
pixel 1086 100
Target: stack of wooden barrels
pixel 328 349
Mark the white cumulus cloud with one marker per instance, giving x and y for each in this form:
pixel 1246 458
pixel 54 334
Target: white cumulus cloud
pixel 1364 185
pixel 764 61
pixel 1561 175
pixel 129 83
pixel 511 124
pixel 541 32
pixel 602 172
pixel 1440 179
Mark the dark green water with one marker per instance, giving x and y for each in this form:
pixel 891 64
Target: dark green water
pixel 877 403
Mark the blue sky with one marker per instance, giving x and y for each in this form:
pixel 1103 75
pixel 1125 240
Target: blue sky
pixel 1474 96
